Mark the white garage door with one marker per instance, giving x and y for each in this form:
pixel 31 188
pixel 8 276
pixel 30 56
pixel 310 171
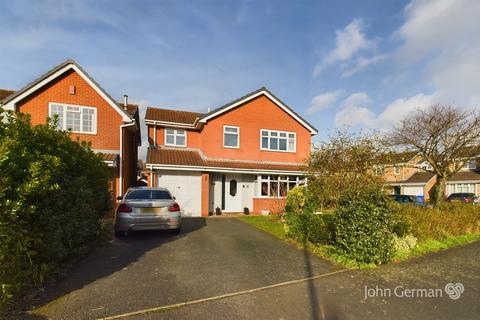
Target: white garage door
pixel 186 187
pixel 413 190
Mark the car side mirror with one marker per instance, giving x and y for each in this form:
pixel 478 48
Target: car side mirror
pixel 119 198
pixel 174 198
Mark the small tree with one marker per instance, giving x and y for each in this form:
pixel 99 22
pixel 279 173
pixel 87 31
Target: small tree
pixel 444 136
pixel 335 164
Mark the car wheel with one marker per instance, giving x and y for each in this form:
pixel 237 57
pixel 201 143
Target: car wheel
pixel 176 231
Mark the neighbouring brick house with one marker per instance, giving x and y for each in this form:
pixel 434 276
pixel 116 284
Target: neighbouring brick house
pixel 245 154
pixel 409 174
pixel 89 111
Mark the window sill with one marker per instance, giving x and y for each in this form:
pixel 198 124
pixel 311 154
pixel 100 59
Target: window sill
pixel 173 145
pixel 281 151
pixel 78 132
pixel 265 197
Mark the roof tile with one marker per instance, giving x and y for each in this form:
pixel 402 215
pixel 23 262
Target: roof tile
pixel 168 115
pixel 189 157
pixel 5 93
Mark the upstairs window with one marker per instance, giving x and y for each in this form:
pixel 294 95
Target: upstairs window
pixel 470 165
pixel 273 140
pixel 378 171
pixel 175 137
pixel 79 119
pixel 231 137
pixel 396 170
pixel 425 165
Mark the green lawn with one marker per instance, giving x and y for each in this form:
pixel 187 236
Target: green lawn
pixel 274 226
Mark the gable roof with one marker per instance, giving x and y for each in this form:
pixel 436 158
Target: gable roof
pixel 252 95
pixel 5 93
pixel 54 73
pixel 173 116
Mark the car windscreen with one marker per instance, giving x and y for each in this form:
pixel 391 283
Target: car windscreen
pixel 148 195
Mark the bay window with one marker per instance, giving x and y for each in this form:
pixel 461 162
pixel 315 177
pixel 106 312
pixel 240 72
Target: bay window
pixel 275 186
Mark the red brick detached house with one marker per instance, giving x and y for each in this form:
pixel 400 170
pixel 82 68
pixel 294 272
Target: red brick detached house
pixel 246 154
pixel 90 112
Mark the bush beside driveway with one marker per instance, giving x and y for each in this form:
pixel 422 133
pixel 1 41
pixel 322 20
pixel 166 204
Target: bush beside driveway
pixel 53 194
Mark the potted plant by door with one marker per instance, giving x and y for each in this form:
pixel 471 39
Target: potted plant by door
pixel 218 211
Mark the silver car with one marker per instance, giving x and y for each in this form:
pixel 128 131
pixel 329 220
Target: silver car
pixel 144 208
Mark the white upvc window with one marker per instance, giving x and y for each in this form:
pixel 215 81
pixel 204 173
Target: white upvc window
pixel 470 165
pixel 425 165
pixel 461 188
pixel 231 137
pixel 274 186
pixel 282 141
pixel 79 119
pixel 396 170
pixel 175 137
pixel 378 170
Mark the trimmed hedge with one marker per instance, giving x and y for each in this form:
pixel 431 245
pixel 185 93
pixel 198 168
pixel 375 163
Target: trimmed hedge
pixel 53 193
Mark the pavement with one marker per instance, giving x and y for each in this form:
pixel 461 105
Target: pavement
pixel 227 269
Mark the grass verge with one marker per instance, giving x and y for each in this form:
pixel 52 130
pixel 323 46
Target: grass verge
pixel 274 226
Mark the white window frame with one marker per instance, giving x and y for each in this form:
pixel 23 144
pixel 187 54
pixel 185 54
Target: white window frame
pixel 378 170
pixel 175 134
pixel 425 165
pixel 396 170
pixel 64 122
pixel 238 137
pixel 467 165
pixel 278 137
pixel 298 181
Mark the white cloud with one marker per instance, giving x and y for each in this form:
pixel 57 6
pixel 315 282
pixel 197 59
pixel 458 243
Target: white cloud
pixel 361 64
pixel 323 101
pixel 354 111
pixel 445 34
pixel 348 42
pixel 400 108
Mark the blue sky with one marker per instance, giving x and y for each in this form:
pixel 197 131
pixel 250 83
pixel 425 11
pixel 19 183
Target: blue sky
pixel 363 64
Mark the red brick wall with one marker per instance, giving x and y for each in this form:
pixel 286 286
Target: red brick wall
pixel 274 205
pixel 205 193
pixel 260 113
pixel 108 119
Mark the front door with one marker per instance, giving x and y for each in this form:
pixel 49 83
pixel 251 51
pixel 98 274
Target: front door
pixel 233 193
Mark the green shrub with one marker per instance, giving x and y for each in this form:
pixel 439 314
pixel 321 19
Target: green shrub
pixel 300 221
pixel 439 223
pixel 53 193
pixel 402 245
pixel 401 228
pixel 363 223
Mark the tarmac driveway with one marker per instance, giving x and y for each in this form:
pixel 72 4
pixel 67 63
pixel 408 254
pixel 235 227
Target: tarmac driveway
pixel 213 257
